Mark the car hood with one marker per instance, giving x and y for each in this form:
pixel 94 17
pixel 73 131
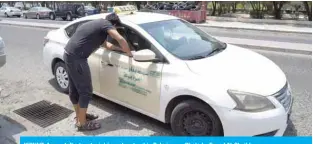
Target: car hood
pixel 240 69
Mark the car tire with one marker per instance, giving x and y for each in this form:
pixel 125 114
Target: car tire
pixel 194 118
pixel 25 16
pixel 6 15
pixel 63 18
pixel 69 17
pixel 52 16
pixel 59 69
pixel 37 16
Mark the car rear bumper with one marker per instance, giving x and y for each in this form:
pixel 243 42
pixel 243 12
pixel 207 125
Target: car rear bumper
pixel 2 60
pixel 14 13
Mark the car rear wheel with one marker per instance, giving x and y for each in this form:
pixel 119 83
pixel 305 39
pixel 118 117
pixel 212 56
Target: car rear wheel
pixel 6 15
pixel 38 16
pixel 25 16
pixel 193 118
pixel 69 17
pixel 61 76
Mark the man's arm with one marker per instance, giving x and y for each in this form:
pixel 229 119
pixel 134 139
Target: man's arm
pixel 110 46
pixel 123 43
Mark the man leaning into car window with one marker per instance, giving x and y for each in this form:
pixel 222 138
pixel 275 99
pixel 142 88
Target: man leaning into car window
pixel 87 39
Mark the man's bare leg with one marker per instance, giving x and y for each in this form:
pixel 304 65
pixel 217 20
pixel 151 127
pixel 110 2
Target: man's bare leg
pixel 82 116
pixel 76 108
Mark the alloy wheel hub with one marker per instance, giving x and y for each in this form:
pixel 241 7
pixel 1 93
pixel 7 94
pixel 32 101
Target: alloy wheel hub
pixel 62 77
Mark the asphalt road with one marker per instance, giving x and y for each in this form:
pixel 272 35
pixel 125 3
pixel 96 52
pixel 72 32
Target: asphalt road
pixel 25 80
pixel 234 33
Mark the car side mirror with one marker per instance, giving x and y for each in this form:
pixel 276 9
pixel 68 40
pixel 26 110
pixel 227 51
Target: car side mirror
pixel 145 55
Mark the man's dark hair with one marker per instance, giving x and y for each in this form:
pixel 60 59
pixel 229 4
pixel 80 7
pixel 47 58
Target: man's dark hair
pixel 114 19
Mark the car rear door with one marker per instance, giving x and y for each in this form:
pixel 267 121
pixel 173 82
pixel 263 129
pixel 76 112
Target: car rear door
pixel 32 12
pixel 93 60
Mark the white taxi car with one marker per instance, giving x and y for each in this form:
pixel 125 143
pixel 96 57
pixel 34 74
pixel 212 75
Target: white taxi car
pixel 182 76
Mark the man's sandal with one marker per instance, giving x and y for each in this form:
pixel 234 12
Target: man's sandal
pixel 90 117
pixel 88 126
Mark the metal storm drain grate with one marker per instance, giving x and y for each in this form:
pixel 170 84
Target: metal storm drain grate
pixel 44 113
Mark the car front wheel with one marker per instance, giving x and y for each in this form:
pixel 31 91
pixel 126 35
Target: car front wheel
pixel 193 118
pixel 61 76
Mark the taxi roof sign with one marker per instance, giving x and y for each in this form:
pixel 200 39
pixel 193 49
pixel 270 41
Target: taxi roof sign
pixel 123 9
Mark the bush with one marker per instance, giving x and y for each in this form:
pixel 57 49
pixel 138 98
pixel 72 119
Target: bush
pixel 257 14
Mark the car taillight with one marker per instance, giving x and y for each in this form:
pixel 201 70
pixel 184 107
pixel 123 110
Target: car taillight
pixel 46 40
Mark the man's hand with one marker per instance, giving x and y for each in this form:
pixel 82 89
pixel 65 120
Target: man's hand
pixel 110 46
pixel 123 43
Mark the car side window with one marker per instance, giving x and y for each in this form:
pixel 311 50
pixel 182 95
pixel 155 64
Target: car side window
pixel 135 41
pixel 121 31
pixel 70 30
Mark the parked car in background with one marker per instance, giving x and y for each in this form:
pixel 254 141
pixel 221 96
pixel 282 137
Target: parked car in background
pixel 10 12
pixel 38 13
pixel 68 11
pixel 2 54
pixel 90 10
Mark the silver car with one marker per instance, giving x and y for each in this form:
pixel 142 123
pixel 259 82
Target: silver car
pixel 37 12
pixel 10 12
pixel 2 54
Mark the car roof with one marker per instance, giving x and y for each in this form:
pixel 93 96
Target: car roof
pixel 136 17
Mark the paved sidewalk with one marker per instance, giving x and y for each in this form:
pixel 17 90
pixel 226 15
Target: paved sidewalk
pixel 261 27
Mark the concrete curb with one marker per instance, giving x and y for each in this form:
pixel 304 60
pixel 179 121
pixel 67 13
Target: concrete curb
pixel 240 28
pixel 260 21
pixel 26 24
pixel 294 51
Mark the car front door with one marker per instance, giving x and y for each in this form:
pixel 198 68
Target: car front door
pixel 129 81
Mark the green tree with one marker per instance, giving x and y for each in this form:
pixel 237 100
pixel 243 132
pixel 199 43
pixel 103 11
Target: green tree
pixel 234 6
pixel 214 6
pixel 257 9
pixel 277 8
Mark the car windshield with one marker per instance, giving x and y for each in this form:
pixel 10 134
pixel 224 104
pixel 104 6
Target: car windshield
pixel 13 8
pixel 89 8
pixel 182 39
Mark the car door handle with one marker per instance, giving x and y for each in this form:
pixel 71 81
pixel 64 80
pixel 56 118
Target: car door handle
pixel 106 63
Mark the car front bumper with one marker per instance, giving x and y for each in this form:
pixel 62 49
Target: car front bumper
pixel 268 123
pixel 2 60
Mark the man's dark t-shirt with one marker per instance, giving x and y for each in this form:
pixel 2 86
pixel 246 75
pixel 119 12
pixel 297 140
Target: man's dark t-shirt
pixel 88 38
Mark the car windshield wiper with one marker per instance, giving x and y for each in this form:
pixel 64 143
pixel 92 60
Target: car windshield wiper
pixel 217 50
pixel 197 57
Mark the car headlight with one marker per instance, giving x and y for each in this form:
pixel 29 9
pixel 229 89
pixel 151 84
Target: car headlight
pixel 249 102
